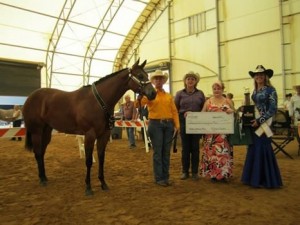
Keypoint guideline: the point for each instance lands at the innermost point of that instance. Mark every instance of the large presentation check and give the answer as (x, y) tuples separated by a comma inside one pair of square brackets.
[(209, 123)]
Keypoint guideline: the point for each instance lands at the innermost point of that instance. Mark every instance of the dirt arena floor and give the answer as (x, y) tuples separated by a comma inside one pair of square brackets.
[(133, 198)]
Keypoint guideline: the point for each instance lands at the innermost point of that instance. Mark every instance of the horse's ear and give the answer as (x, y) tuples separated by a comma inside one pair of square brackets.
[(136, 63), (143, 64)]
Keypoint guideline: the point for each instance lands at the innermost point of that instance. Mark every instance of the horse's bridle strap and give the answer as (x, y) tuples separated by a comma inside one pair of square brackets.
[(139, 82)]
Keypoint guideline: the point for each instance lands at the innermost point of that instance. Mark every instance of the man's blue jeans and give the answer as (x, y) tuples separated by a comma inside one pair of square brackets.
[(130, 135), (161, 134)]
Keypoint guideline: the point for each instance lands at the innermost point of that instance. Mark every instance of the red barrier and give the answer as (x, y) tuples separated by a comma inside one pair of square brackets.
[(126, 123), (12, 132)]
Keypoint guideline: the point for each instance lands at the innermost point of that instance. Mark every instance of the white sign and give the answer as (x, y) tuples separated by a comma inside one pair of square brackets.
[(209, 123)]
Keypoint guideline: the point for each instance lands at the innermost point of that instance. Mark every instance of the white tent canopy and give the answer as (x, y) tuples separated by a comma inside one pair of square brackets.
[(72, 37)]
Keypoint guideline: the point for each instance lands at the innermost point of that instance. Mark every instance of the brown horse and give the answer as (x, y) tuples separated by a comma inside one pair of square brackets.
[(87, 111)]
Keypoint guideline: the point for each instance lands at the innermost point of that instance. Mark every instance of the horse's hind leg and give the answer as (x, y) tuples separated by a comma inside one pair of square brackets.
[(39, 157), (41, 167), (40, 142)]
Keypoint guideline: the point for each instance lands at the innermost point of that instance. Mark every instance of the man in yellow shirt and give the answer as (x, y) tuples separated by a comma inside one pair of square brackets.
[(163, 124)]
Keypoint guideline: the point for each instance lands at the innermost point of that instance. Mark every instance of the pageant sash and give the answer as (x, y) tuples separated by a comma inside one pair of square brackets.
[(265, 128)]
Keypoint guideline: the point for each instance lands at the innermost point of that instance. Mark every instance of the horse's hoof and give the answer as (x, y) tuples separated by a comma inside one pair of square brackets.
[(104, 187), (43, 183), (89, 192)]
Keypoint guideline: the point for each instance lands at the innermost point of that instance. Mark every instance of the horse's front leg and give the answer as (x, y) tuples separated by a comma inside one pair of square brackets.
[(101, 146), (101, 158), (88, 163)]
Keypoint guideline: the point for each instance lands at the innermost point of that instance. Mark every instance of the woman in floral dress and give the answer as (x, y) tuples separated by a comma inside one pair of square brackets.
[(217, 157)]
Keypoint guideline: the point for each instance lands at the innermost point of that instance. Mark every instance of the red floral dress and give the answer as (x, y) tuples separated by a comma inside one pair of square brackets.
[(217, 156)]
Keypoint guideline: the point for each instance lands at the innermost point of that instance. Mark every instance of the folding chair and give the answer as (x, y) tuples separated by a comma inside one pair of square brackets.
[(283, 132), (297, 134)]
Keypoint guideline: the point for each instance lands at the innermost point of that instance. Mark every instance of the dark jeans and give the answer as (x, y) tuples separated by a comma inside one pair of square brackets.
[(17, 123), (161, 134), (190, 149), (130, 135)]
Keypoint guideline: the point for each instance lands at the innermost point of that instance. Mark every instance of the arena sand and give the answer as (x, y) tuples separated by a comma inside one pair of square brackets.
[(133, 197)]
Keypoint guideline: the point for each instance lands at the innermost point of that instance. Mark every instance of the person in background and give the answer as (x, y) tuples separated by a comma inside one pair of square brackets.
[(142, 112), (295, 105), (17, 119), (189, 99), (287, 104), (129, 113), (260, 167), (217, 158), (163, 125), (229, 96)]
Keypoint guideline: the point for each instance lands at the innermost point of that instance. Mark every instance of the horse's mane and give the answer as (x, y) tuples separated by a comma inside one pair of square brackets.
[(106, 77)]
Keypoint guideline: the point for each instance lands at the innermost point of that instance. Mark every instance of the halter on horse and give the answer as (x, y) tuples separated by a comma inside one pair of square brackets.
[(87, 111)]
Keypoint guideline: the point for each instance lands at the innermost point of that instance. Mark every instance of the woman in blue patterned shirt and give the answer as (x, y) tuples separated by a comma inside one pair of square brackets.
[(261, 168)]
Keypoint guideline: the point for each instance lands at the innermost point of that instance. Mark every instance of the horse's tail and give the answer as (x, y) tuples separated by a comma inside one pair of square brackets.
[(28, 141)]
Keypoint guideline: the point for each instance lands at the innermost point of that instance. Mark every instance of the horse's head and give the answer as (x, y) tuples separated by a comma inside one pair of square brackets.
[(140, 81)]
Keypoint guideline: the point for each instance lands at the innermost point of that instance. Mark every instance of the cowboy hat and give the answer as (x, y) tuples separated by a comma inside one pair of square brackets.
[(219, 83), (288, 95), (159, 73), (261, 69), (192, 74)]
